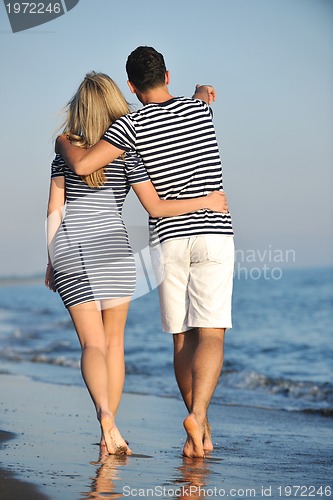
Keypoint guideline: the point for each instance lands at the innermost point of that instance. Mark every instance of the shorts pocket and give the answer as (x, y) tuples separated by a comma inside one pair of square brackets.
[(220, 248), (175, 251)]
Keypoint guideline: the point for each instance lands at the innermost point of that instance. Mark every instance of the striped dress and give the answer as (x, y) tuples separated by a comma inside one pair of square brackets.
[(177, 143), (92, 258)]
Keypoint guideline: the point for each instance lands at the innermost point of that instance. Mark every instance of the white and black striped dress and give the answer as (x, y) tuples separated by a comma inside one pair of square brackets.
[(92, 257)]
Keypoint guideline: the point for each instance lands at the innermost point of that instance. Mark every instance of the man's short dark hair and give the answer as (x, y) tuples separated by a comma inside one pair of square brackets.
[(146, 68)]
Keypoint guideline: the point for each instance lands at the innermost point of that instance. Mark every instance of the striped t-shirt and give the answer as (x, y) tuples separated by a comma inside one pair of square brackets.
[(177, 143)]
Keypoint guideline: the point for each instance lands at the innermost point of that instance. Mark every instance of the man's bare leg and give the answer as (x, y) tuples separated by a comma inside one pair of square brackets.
[(206, 368), (185, 345)]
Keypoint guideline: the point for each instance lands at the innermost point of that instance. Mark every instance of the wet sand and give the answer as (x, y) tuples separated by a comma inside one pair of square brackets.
[(49, 449)]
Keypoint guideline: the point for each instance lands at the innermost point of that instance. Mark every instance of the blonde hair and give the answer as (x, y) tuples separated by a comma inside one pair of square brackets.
[(97, 103)]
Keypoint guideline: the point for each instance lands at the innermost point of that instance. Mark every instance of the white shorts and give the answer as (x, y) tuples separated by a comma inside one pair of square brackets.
[(196, 278)]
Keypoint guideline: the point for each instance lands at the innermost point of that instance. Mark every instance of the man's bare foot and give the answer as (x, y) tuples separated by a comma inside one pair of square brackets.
[(207, 438), (193, 447), (111, 437), (102, 442)]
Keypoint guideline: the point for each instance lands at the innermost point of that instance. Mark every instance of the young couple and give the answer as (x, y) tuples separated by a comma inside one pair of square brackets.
[(167, 152)]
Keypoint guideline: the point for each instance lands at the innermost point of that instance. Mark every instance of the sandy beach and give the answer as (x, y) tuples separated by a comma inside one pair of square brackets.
[(49, 449)]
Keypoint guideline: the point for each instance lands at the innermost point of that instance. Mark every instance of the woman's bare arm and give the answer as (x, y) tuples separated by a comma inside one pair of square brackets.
[(145, 191), (54, 215)]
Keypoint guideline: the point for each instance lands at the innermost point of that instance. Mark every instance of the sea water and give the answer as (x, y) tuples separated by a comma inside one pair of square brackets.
[(277, 355)]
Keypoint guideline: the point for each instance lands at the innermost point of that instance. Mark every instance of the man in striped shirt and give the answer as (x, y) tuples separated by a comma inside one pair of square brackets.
[(175, 137)]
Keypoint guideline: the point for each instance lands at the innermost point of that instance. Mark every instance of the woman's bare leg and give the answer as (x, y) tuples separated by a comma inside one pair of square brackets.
[(87, 319), (114, 315), (114, 321)]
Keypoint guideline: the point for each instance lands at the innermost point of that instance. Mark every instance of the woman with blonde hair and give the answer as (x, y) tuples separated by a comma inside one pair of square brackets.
[(91, 264)]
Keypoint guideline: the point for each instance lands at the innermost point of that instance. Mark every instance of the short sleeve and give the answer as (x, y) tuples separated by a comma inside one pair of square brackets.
[(121, 134), (206, 108), (57, 167), (135, 169)]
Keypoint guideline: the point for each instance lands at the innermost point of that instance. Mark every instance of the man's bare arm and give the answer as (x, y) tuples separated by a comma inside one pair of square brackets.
[(205, 93), (85, 161)]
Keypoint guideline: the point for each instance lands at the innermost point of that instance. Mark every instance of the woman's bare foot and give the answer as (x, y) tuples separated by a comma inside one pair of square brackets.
[(111, 437), (207, 438), (193, 447)]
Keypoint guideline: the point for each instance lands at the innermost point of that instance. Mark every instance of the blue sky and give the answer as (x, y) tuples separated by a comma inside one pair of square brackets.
[(271, 62)]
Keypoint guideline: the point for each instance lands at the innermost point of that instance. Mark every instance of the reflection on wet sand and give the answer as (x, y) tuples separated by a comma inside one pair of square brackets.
[(191, 478), (107, 474)]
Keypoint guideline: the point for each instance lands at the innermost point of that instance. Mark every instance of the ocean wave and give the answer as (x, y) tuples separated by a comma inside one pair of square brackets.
[(324, 412), (287, 388), (10, 355), (287, 393), (58, 361)]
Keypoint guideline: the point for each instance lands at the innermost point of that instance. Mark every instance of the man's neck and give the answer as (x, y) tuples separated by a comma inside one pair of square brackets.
[(156, 95)]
